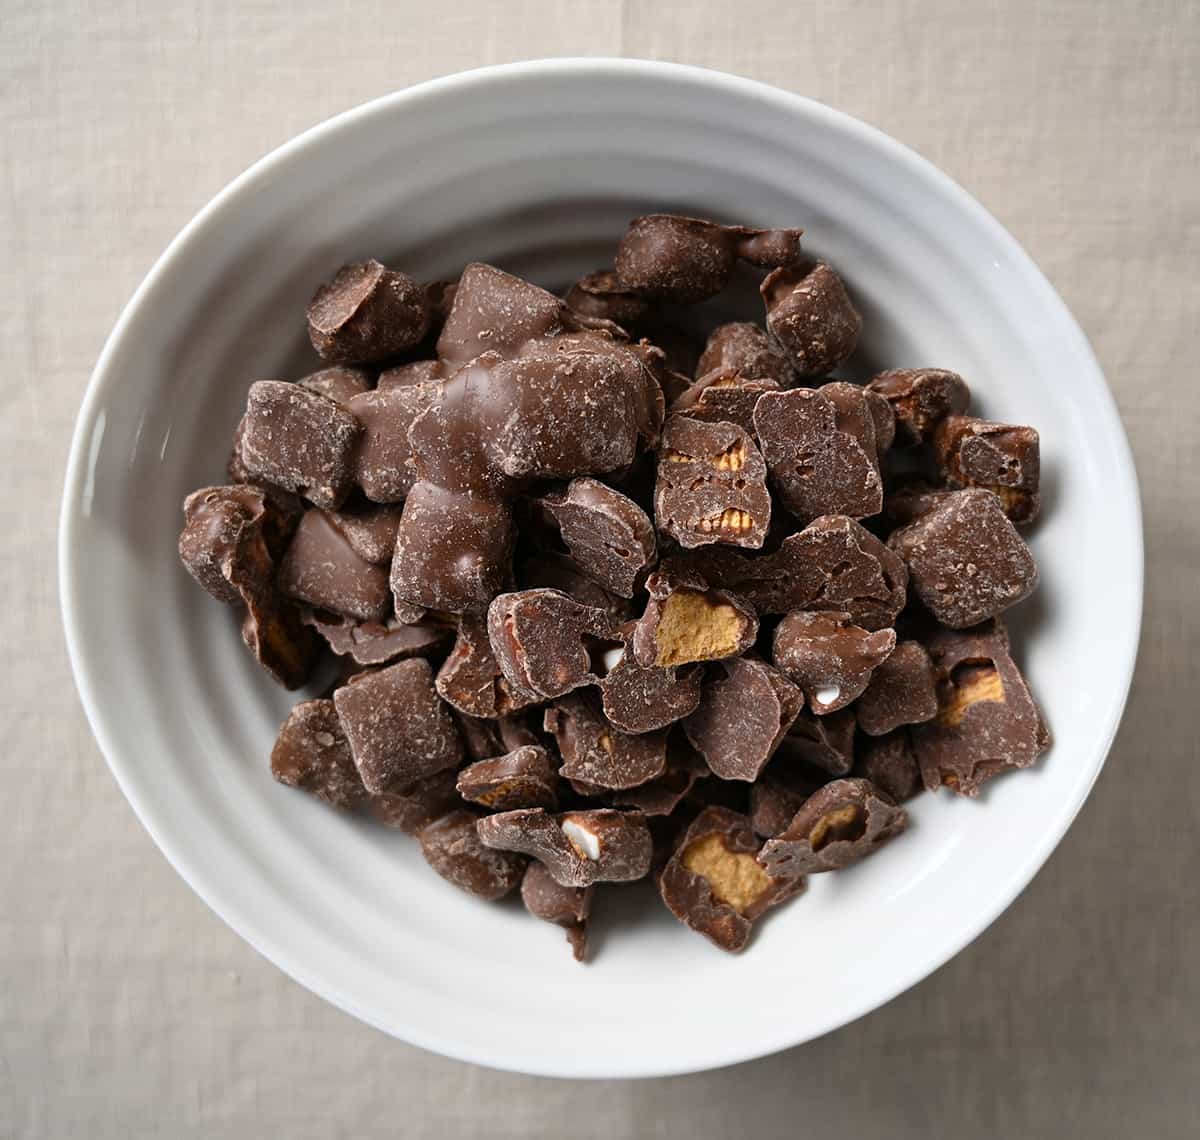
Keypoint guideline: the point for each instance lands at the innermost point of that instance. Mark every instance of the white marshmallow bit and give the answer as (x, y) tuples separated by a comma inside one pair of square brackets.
[(586, 844)]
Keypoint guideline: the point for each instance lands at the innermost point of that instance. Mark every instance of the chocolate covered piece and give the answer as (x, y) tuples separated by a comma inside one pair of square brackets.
[(713, 883), (745, 349), (300, 441), (600, 295), (890, 763), (776, 797), (673, 258), (398, 729), (830, 658), (909, 498), (321, 568), (452, 848), (376, 643), (722, 396), (413, 806), (857, 412), (519, 779), (641, 698), (987, 720), (230, 540), (901, 691), (567, 907), (833, 564), (278, 640), (817, 467), (966, 561), (822, 742), (312, 753), (921, 398), (596, 752), (549, 569), (542, 641), (685, 622), (369, 529), (340, 383), (811, 316), (383, 461), (1002, 458), (470, 679), (837, 826), (662, 795), (578, 848), (367, 312), (745, 710), (711, 485), (608, 534)]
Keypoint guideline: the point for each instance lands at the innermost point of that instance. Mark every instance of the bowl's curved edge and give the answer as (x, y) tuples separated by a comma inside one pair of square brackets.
[(76, 475)]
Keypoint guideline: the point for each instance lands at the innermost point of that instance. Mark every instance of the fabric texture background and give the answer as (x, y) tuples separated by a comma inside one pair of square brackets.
[(127, 1009)]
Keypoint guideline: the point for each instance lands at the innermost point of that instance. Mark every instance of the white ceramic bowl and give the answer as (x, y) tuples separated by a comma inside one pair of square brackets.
[(537, 167)]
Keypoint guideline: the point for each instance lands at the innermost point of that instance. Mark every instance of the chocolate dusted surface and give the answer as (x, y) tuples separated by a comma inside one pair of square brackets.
[(831, 659), (452, 848)]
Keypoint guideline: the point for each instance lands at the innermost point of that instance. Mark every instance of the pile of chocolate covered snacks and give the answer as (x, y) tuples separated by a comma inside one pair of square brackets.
[(610, 606)]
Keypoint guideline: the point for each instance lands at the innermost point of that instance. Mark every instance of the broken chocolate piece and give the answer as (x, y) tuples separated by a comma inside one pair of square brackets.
[(891, 765), (966, 561), (312, 753), (398, 729), (367, 312), (662, 795), (722, 396), (910, 498), (578, 848), (339, 383), (828, 657), (600, 295), (711, 485), (383, 460), (641, 698), (837, 826), (824, 742), (817, 468), (372, 643), (900, 692), (552, 902), (413, 806), (519, 779), (745, 710), (777, 795), (542, 641), (279, 642), (987, 720), (369, 529), (452, 848), (714, 884), (300, 441), (597, 753), (920, 399), (415, 373), (744, 348), (561, 572), (608, 534), (810, 314), (1002, 458), (470, 678), (685, 622), (321, 568)]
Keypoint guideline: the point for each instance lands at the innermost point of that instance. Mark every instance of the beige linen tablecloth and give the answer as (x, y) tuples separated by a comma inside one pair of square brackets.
[(127, 1009)]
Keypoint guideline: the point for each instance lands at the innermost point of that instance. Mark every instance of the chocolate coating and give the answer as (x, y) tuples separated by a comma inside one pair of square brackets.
[(828, 657), (685, 622), (277, 639), (470, 679), (596, 752), (811, 316), (966, 561), (744, 348), (713, 884), (398, 729), (641, 698), (452, 848), (340, 383), (384, 465), (776, 797), (711, 485), (518, 779), (312, 753), (373, 643), (367, 312), (1002, 458), (920, 399), (891, 765), (723, 396), (369, 529), (836, 827), (901, 691)]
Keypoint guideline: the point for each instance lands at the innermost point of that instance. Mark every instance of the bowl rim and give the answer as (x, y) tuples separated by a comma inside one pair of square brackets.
[(103, 378)]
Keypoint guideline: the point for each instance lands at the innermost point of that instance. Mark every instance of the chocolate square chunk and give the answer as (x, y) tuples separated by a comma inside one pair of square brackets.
[(816, 467), (1002, 458), (966, 561), (398, 729), (452, 848), (300, 441), (578, 848), (367, 312), (920, 399), (901, 691), (312, 753), (987, 719), (837, 826), (746, 708), (384, 465), (713, 884), (567, 907), (521, 778), (608, 534), (369, 529), (711, 485), (810, 314), (321, 568)]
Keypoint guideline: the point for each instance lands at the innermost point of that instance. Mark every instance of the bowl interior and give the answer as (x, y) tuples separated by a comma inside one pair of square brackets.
[(537, 168)]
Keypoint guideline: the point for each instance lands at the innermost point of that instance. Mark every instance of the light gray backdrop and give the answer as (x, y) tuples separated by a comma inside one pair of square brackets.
[(128, 1010)]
